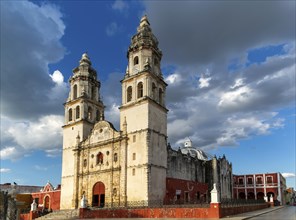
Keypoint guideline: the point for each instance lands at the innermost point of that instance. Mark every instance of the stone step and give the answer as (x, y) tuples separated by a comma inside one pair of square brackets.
[(61, 214)]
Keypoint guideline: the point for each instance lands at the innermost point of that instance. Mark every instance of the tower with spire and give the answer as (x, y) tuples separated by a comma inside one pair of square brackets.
[(83, 109), (143, 107)]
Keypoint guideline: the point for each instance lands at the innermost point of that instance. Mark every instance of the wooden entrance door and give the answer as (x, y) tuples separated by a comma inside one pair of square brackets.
[(46, 203), (98, 199)]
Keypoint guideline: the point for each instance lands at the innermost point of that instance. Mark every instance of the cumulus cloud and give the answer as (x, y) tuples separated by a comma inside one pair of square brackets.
[(5, 170), (27, 47), (173, 78), (11, 152), (120, 5), (112, 29), (57, 77), (54, 152), (22, 137), (59, 91), (211, 103), (212, 32), (204, 82), (288, 175), (238, 82), (30, 116), (47, 132), (37, 167)]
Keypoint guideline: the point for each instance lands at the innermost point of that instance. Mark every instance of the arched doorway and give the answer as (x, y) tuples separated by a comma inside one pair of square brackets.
[(98, 198), (269, 194), (46, 203), (251, 195), (260, 195), (242, 195)]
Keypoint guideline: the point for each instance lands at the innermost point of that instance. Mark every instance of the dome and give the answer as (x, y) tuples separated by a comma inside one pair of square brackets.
[(194, 152)]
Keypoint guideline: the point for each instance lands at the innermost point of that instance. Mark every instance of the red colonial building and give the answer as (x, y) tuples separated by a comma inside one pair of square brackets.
[(48, 198), (268, 186), (185, 191)]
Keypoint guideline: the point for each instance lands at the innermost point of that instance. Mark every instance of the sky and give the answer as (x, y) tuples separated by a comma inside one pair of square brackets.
[(229, 65)]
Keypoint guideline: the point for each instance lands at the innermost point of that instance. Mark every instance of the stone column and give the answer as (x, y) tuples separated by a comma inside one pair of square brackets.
[(279, 197), (76, 177), (123, 160)]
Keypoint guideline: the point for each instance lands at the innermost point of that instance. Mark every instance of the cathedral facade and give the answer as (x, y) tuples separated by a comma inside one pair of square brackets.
[(135, 163)]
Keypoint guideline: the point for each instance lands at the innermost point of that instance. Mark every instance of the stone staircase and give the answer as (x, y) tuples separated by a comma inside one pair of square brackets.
[(61, 214)]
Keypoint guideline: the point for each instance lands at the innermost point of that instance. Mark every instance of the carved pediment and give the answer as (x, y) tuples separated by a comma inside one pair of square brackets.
[(102, 131)]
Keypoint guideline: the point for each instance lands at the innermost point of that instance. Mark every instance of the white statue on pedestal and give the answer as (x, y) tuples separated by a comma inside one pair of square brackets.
[(271, 198), (34, 206), (83, 202), (215, 195)]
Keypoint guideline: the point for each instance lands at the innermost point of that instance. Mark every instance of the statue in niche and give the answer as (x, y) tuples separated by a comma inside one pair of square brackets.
[(126, 71), (83, 92), (147, 64)]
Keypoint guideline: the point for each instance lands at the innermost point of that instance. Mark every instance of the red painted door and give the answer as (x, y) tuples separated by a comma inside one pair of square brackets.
[(98, 195), (46, 202)]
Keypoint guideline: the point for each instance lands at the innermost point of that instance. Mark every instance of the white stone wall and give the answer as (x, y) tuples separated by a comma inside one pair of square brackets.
[(142, 55), (70, 133)]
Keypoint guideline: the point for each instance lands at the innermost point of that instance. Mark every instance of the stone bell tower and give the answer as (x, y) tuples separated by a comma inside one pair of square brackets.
[(83, 109), (143, 107)]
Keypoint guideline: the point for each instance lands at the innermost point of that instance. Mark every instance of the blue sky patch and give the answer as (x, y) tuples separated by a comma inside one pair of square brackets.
[(259, 55)]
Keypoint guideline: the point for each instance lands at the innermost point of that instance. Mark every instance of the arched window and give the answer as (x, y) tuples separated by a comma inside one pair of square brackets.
[(70, 114), (89, 113), (100, 158), (97, 115), (140, 89), (75, 92), (153, 91), (160, 94), (77, 112), (269, 179), (156, 66), (136, 60), (93, 92), (115, 157), (129, 94)]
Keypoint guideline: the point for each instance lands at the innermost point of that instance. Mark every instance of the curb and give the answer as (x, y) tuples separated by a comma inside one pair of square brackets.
[(267, 211)]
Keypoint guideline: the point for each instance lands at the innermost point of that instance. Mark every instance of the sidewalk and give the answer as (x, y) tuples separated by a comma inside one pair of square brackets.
[(248, 215)]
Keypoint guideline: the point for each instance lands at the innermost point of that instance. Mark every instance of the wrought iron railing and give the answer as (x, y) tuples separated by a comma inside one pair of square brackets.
[(24, 211), (240, 202)]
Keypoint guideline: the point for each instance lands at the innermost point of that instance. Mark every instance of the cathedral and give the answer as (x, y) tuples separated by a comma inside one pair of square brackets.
[(118, 168)]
